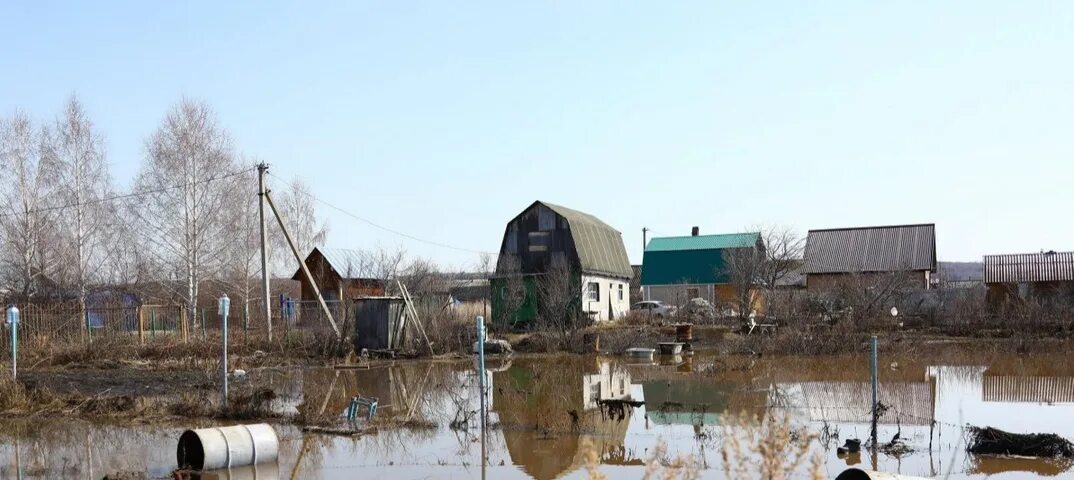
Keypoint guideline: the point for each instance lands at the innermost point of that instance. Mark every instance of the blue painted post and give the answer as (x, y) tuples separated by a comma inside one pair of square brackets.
[(13, 322), (223, 307), (481, 365), (872, 367)]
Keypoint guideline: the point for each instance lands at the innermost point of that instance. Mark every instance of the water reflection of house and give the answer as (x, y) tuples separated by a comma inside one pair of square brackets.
[(686, 401), (996, 388), (610, 383), (547, 412), (908, 403)]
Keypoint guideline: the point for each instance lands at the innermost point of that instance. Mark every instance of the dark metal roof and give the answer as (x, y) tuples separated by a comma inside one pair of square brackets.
[(1029, 267), (895, 248)]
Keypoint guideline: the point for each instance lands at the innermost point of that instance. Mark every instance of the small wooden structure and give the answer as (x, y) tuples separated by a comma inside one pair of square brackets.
[(379, 322), (338, 273)]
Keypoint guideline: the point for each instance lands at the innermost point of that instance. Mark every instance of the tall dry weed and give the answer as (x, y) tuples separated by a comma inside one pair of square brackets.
[(770, 449)]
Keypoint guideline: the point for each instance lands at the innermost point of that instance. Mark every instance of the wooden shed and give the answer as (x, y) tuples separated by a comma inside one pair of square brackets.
[(339, 275)]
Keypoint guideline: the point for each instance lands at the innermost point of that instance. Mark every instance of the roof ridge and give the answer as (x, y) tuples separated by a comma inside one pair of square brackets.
[(709, 235), (1049, 253), (873, 227)]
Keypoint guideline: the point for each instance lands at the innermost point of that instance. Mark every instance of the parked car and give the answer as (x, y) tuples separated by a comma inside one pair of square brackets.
[(654, 308)]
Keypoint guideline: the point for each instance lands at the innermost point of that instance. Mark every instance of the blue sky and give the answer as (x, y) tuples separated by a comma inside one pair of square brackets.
[(445, 119)]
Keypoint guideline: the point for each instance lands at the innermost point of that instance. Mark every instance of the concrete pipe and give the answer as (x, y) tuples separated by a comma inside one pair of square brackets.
[(859, 474), (227, 447)]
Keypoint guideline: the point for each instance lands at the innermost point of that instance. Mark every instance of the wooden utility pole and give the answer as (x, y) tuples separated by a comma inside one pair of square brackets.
[(262, 169), (302, 264)]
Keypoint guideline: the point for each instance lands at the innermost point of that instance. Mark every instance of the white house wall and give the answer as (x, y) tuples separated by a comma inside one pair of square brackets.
[(610, 302)]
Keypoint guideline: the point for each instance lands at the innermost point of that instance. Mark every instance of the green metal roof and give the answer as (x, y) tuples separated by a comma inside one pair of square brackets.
[(600, 247), (692, 260), (703, 242)]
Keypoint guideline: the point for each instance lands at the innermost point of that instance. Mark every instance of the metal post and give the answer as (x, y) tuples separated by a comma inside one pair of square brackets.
[(89, 329), (872, 367), (224, 306), (262, 168), (13, 322), (481, 383), (481, 365)]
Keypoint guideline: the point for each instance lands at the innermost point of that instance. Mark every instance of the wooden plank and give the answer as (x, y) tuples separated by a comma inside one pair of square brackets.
[(141, 326), (183, 325), (417, 321)]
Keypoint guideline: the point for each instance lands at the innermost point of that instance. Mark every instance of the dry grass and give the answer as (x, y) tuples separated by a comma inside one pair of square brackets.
[(771, 449)]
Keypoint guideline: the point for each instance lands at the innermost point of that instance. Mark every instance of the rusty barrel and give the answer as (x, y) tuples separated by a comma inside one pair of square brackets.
[(684, 332)]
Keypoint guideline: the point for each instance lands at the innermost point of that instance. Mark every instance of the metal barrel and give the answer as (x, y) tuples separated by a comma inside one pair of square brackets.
[(227, 447)]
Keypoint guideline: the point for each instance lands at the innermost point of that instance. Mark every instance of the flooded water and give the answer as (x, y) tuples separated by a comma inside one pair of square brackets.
[(545, 421)]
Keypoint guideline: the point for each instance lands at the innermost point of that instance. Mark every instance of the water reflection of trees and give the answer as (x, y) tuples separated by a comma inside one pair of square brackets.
[(79, 449)]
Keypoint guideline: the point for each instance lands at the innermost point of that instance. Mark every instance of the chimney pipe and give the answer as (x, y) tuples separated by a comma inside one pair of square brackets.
[(694, 231)]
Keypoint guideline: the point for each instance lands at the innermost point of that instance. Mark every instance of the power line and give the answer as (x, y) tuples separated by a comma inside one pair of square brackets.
[(387, 229), (139, 193)]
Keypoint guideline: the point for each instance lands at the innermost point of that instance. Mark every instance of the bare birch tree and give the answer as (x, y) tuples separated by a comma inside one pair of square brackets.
[(24, 213), (79, 178), (297, 207), (190, 163)]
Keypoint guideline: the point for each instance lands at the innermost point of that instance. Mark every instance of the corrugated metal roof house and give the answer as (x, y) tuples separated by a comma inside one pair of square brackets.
[(906, 249), (678, 269), (544, 234), (1045, 275)]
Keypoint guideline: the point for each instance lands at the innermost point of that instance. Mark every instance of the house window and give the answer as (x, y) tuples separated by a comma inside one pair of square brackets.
[(540, 241), (620, 291), (593, 292), (692, 293)]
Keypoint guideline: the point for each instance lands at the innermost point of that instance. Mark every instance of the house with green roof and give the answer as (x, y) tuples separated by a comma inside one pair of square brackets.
[(546, 241), (678, 269)]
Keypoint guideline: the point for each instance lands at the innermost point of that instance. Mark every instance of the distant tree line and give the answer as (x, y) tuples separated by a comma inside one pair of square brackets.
[(189, 218)]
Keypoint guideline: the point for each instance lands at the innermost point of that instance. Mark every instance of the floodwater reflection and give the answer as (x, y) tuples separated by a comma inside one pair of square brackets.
[(544, 411)]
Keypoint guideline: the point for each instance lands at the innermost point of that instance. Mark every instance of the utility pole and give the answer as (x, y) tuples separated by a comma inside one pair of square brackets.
[(305, 269), (644, 238), (262, 169)]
